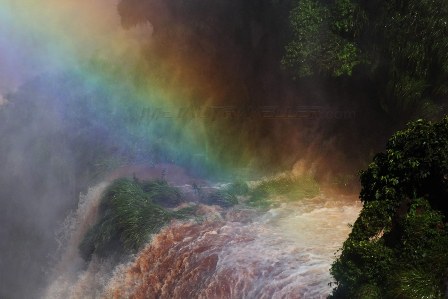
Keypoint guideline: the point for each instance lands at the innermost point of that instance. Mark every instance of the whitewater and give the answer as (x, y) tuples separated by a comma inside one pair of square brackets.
[(240, 252)]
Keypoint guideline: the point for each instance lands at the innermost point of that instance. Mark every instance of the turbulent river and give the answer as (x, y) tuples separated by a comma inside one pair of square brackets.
[(240, 252)]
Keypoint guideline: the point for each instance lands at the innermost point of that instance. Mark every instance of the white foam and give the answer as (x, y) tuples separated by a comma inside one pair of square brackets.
[(284, 253)]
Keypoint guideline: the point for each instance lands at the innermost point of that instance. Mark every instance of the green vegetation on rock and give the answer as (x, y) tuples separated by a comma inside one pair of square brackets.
[(161, 193), (239, 188), (128, 215), (226, 197), (221, 198), (288, 187)]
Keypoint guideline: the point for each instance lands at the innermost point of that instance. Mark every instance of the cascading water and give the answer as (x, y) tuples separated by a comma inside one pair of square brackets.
[(239, 252), (116, 102)]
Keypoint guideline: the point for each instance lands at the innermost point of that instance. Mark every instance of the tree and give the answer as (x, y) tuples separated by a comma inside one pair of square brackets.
[(401, 46), (315, 48), (397, 247)]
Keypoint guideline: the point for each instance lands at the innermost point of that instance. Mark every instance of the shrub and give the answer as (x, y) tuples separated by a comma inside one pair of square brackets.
[(369, 291), (289, 187), (356, 39), (259, 198), (414, 284), (128, 216), (221, 198), (238, 188), (161, 193), (294, 188), (402, 227), (414, 165)]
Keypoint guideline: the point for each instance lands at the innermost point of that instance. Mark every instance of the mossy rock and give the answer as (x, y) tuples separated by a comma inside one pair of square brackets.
[(238, 188), (162, 193), (128, 215), (221, 198)]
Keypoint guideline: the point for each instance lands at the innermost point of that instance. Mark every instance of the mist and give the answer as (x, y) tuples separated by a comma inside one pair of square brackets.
[(75, 77)]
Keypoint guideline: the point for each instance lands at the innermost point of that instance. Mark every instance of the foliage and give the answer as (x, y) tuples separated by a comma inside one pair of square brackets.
[(375, 218), (398, 243), (227, 197), (314, 48), (414, 284), (289, 187), (368, 291), (361, 262), (415, 164), (401, 46), (238, 188), (418, 255), (161, 193), (127, 217), (221, 198), (260, 198)]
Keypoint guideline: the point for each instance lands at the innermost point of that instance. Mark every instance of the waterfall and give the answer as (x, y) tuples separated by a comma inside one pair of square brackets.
[(285, 252)]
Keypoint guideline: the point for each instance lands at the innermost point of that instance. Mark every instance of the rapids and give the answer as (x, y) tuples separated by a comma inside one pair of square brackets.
[(285, 252)]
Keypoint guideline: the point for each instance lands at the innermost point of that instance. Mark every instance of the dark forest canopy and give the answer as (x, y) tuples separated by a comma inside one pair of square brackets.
[(396, 49), (400, 47)]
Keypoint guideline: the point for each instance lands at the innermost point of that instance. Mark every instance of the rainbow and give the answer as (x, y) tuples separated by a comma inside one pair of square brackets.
[(143, 98)]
